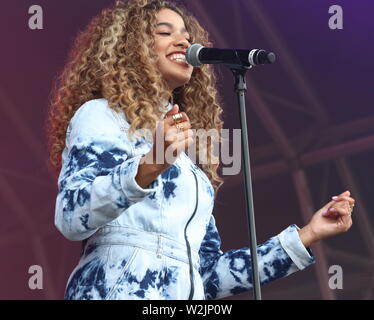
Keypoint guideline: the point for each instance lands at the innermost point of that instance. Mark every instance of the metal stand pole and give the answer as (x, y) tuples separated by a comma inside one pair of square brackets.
[(240, 89)]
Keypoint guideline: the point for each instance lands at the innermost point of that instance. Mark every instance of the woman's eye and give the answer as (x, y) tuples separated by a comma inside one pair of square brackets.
[(168, 34)]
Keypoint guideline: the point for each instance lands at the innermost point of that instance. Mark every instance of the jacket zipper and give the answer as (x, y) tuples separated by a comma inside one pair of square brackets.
[(192, 290)]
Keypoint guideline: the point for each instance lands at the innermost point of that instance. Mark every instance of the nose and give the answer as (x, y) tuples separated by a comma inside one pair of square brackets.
[(181, 41)]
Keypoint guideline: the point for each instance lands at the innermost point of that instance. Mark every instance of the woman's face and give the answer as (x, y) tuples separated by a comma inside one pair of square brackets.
[(171, 43)]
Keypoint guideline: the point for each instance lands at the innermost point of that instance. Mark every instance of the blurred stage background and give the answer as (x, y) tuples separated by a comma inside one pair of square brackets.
[(311, 131)]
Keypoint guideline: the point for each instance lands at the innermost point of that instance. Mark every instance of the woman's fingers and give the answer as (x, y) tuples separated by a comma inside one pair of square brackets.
[(343, 198), (341, 216), (174, 110), (335, 212), (171, 128), (345, 193), (175, 135), (170, 120), (179, 145), (339, 198), (178, 142)]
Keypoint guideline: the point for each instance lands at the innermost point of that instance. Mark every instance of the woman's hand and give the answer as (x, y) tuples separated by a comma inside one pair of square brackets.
[(332, 219), (169, 141)]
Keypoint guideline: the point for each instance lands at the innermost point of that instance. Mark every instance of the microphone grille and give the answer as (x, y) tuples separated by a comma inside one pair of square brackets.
[(192, 54)]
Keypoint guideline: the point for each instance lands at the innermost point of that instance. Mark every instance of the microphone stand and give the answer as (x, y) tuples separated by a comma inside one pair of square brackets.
[(239, 72)]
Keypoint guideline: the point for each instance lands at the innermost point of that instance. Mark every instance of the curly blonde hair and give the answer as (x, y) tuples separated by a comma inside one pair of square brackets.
[(103, 64)]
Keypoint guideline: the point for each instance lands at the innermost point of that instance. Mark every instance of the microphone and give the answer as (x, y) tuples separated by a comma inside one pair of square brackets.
[(197, 55)]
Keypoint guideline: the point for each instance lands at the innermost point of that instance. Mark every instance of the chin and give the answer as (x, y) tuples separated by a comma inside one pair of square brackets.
[(174, 83)]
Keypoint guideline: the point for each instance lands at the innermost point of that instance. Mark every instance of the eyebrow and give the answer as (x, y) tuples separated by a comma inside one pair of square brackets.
[(170, 26)]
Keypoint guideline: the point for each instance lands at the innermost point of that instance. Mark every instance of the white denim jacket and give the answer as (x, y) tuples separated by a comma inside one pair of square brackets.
[(159, 242)]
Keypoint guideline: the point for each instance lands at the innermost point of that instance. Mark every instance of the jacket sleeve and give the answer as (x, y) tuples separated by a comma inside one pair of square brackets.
[(229, 273), (97, 178)]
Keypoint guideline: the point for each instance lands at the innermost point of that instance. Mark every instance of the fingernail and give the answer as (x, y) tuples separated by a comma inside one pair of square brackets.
[(335, 198), (332, 209), (325, 212)]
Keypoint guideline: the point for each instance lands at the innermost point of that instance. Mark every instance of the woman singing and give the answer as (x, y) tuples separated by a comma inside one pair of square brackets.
[(147, 226)]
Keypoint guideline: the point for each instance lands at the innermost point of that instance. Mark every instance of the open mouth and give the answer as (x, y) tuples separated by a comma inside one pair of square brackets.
[(178, 58)]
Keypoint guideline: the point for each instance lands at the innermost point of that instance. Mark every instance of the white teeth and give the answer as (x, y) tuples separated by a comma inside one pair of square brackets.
[(178, 57)]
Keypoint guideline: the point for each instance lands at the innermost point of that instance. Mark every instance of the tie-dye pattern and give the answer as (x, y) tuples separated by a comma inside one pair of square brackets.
[(133, 242), (229, 273)]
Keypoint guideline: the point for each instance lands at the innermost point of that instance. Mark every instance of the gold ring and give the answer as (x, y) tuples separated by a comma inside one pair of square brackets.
[(177, 117)]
